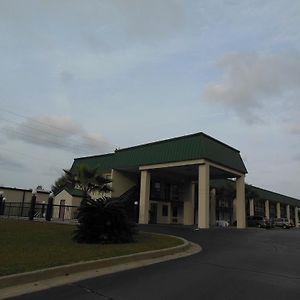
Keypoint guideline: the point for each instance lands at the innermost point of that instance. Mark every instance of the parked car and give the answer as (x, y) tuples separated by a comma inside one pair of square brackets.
[(258, 221), (282, 222)]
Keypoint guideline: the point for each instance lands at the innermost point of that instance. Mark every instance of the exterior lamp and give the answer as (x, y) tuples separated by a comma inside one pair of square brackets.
[(136, 211), (3, 204)]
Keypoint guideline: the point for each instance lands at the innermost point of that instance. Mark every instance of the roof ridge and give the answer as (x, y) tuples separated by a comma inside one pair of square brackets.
[(178, 138), (160, 141), (97, 155)]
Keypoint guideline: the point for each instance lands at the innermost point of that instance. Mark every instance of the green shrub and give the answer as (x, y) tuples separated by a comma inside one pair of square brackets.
[(103, 221)]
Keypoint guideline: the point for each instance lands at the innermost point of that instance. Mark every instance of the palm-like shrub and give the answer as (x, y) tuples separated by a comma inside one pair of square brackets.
[(103, 221), (88, 181)]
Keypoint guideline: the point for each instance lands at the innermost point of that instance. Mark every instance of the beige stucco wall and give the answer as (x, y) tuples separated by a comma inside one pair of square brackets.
[(42, 197), (63, 195), (16, 195), (68, 212), (121, 183), (76, 201)]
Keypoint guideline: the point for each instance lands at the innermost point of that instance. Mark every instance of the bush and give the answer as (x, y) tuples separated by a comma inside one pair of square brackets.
[(103, 221)]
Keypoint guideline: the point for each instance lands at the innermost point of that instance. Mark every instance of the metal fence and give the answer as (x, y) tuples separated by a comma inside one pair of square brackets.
[(21, 210)]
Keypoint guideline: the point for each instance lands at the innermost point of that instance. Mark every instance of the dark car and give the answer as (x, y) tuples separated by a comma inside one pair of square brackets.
[(258, 221), (282, 222)]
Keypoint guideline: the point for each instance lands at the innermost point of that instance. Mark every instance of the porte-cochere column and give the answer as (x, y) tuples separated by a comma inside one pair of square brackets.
[(296, 216), (251, 207), (203, 196), (267, 209), (240, 202), (144, 197), (278, 211), (288, 212)]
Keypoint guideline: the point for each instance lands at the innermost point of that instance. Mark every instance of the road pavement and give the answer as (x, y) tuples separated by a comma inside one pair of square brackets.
[(234, 264)]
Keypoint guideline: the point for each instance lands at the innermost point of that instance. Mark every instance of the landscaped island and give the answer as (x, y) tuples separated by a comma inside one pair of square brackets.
[(27, 246)]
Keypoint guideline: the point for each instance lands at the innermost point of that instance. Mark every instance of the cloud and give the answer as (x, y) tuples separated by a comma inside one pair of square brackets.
[(106, 66), (297, 157), (59, 132), (150, 20), (252, 83), (295, 129), (10, 164), (66, 77)]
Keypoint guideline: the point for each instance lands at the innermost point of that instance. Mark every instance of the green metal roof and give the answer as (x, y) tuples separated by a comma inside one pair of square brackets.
[(189, 147), (262, 193), (275, 197)]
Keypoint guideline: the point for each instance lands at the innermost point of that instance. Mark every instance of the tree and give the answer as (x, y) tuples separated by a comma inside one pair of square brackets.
[(60, 183), (87, 180), (102, 220)]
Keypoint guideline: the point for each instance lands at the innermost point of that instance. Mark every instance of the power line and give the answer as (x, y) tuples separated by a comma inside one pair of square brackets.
[(36, 121), (60, 145), (47, 162), (46, 138), (31, 127), (86, 145)]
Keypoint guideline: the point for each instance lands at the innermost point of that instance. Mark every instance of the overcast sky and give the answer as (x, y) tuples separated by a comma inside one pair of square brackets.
[(84, 77)]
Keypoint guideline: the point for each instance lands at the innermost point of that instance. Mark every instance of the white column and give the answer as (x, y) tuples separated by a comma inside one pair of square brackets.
[(203, 196), (288, 213), (188, 204), (233, 220), (251, 206), (144, 197), (240, 202), (296, 217), (278, 212), (212, 207), (267, 209)]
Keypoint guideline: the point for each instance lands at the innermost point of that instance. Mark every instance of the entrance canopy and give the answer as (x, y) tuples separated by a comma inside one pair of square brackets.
[(197, 157)]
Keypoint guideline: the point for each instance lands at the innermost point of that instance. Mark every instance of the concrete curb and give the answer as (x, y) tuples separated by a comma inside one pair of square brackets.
[(66, 270)]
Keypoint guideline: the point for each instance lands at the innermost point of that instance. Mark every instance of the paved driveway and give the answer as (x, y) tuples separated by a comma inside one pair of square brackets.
[(234, 264)]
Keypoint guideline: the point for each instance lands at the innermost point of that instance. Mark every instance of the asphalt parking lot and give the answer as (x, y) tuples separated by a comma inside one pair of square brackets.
[(234, 264)]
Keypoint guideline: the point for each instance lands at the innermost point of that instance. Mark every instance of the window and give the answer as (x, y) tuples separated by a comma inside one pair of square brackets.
[(155, 190), (174, 192), (165, 210), (157, 186), (174, 212)]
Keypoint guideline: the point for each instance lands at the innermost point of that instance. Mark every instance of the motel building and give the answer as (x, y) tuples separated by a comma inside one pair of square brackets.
[(176, 181)]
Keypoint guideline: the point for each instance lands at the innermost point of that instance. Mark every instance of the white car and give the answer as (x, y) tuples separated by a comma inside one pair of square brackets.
[(222, 223)]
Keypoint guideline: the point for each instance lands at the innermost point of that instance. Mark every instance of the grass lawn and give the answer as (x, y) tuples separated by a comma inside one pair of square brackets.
[(27, 246)]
